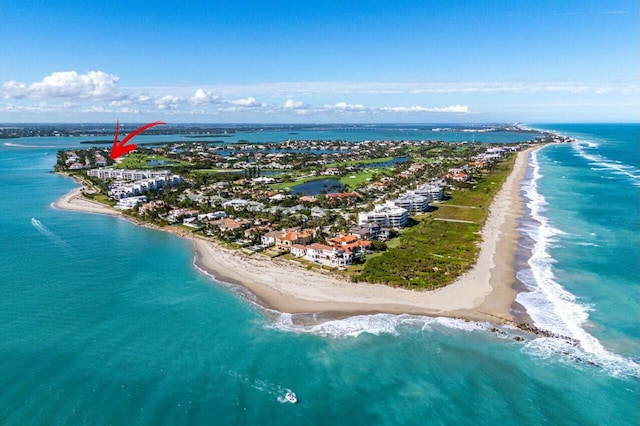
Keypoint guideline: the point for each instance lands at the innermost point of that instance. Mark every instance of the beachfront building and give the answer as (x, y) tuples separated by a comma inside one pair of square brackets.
[(350, 243), (176, 215), (298, 250), (431, 192), (387, 214), (323, 254), (285, 239), (269, 239), (139, 187), (212, 216), (412, 202), (126, 174), (130, 202), (227, 224)]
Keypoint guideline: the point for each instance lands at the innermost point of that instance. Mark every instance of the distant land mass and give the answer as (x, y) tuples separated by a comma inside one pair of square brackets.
[(20, 130)]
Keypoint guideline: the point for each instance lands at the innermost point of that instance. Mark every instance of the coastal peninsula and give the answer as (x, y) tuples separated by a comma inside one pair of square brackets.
[(289, 283)]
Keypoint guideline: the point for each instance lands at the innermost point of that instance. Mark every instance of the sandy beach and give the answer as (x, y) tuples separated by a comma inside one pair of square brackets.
[(485, 293), (74, 201)]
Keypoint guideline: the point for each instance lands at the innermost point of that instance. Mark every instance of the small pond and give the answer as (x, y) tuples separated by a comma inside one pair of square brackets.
[(313, 187)]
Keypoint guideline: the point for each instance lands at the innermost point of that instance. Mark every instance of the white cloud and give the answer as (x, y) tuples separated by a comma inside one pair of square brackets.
[(290, 90), (291, 104), (169, 101), (203, 97), (343, 106), (94, 85), (248, 102), (14, 89)]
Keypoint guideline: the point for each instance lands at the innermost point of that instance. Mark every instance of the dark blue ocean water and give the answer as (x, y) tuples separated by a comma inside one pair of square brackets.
[(104, 322)]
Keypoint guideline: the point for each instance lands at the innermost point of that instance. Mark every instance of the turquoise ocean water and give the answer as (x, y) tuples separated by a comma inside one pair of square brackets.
[(104, 322)]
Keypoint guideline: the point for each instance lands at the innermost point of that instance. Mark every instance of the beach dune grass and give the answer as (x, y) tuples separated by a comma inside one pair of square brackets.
[(433, 253)]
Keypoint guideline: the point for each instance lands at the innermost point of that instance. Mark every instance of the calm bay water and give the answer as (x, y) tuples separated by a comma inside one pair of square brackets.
[(103, 322)]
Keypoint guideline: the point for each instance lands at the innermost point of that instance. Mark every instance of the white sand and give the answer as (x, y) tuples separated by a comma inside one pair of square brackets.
[(76, 202)]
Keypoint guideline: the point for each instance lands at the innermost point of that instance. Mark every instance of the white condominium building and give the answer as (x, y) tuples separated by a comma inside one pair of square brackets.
[(126, 174), (387, 214), (431, 192), (412, 202)]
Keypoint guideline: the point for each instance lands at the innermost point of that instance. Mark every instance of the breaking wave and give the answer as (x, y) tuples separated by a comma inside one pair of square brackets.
[(375, 324), (549, 304), (600, 163)]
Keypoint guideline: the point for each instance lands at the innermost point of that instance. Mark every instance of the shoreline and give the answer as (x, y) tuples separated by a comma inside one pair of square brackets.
[(486, 293)]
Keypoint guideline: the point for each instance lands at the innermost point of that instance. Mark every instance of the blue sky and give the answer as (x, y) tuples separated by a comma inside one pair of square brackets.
[(320, 61)]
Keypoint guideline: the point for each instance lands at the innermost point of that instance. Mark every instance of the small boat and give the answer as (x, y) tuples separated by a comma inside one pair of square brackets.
[(291, 397)]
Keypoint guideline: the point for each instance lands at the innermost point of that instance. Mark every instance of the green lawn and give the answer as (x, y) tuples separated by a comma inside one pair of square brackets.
[(358, 179), (140, 161)]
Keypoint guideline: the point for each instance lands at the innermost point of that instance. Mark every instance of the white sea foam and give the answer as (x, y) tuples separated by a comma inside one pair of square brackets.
[(375, 324), (549, 304), (584, 149)]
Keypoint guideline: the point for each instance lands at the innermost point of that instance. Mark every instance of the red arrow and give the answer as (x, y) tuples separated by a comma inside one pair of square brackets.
[(120, 148)]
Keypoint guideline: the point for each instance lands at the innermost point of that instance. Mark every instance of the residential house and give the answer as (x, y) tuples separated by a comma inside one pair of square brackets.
[(286, 239), (227, 224), (328, 255)]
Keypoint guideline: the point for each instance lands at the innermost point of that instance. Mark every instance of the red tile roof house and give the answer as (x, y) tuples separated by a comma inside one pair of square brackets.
[(230, 224), (458, 177), (286, 239), (351, 243)]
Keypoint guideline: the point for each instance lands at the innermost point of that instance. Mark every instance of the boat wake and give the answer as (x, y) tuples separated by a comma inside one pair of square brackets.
[(275, 390), (17, 145), (47, 233), (549, 304)]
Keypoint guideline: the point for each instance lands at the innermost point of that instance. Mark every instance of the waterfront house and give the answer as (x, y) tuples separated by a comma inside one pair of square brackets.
[(227, 224), (328, 255), (286, 239), (298, 250), (269, 239), (130, 202)]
